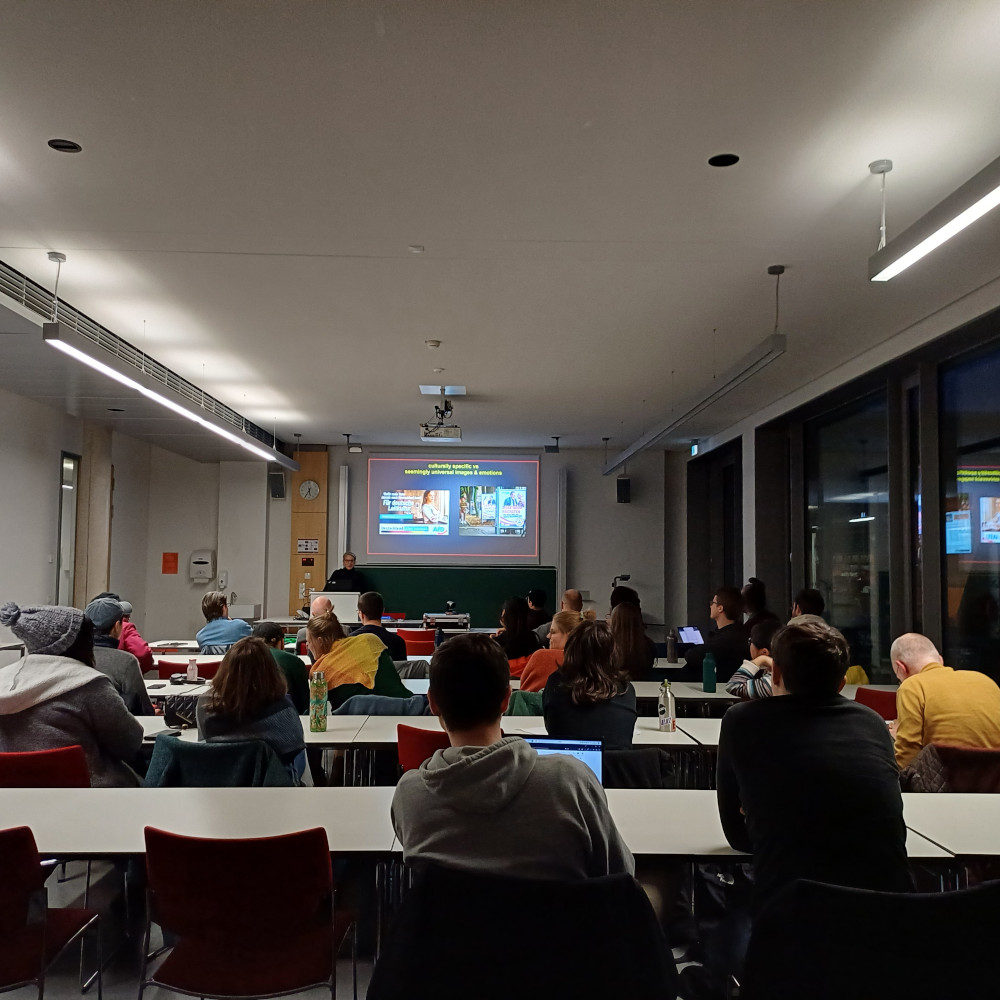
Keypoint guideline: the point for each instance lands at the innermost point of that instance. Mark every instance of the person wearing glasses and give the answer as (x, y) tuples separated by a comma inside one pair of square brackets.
[(728, 642)]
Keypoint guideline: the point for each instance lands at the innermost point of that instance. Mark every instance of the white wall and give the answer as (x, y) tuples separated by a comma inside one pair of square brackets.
[(129, 523), (33, 438), (603, 538), (183, 516), (243, 529), (278, 572), (675, 537)]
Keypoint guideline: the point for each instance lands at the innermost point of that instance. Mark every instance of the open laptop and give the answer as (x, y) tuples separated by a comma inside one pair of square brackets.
[(690, 635), (589, 751)]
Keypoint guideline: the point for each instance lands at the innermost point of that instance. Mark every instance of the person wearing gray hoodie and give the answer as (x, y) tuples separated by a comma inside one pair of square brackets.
[(54, 697), (489, 803)]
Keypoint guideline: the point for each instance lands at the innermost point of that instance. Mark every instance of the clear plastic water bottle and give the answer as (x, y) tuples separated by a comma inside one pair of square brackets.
[(667, 709), (708, 672), (192, 671), (317, 702)]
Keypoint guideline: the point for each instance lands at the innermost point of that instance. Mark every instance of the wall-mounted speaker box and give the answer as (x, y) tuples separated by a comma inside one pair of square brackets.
[(624, 485), (276, 485)]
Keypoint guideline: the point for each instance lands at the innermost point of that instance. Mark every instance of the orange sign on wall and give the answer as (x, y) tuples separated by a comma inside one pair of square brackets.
[(169, 562)]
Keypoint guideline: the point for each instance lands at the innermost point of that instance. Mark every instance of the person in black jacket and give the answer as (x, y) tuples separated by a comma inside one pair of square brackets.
[(729, 642), (590, 697)]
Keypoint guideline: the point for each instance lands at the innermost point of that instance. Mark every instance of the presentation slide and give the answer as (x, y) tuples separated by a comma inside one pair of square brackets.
[(972, 515), (438, 510)]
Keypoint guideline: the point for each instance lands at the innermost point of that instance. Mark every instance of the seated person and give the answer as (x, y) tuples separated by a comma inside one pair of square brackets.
[(371, 607), (572, 600), (347, 579), (624, 595), (753, 677), (130, 641), (589, 697), (295, 671), (249, 701), (544, 662), (755, 604), (634, 649), (221, 631), (54, 697), (319, 606), (728, 642), (357, 664), (516, 640), (489, 803), (537, 615), (808, 606), (935, 704), (122, 668)]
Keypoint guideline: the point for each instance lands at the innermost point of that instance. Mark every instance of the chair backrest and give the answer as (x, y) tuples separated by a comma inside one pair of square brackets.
[(396, 616), (239, 892), (414, 745), (242, 764), (939, 768), (883, 702), (21, 875), (915, 945), (419, 634), (601, 940), (64, 767), (167, 668)]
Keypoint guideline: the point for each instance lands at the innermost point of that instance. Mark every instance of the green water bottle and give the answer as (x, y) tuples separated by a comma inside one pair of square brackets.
[(317, 702), (708, 673)]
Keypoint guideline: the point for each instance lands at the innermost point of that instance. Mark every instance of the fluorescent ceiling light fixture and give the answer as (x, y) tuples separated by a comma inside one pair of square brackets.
[(57, 336), (760, 357), (448, 390), (960, 209), (858, 520)]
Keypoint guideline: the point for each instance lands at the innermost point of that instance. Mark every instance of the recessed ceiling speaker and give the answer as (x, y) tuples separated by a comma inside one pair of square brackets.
[(276, 485), (624, 485)]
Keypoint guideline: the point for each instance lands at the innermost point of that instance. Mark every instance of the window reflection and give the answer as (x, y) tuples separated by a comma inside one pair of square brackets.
[(970, 481), (848, 524)]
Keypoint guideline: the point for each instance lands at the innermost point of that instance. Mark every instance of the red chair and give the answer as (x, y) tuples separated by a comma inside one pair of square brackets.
[(419, 641), (167, 668), (396, 616), (415, 745), (883, 702), (250, 918), (31, 935), (65, 767)]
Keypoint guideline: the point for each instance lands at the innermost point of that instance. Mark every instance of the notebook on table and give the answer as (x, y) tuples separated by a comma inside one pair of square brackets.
[(589, 751)]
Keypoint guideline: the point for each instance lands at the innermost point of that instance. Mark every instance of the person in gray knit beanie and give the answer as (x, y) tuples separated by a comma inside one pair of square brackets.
[(43, 628)]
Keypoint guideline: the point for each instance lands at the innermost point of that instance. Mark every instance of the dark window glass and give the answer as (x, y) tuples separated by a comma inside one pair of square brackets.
[(847, 524), (970, 494)]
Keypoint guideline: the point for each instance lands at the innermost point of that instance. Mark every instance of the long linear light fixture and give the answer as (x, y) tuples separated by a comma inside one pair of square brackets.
[(61, 337), (760, 357), (961, 208)]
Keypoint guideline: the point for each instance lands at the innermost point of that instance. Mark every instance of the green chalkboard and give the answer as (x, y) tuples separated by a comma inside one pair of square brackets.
[(478, 590)]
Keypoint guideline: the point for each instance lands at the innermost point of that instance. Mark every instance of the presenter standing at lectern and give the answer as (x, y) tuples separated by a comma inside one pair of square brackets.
[(348, 579)]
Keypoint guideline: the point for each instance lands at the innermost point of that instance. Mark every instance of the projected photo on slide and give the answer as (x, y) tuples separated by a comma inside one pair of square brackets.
[(413, 512), (428, 509), (989, 519), (493, 510)]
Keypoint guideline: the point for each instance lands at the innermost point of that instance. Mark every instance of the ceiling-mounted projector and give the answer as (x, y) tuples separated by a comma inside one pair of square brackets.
[(440, 432)]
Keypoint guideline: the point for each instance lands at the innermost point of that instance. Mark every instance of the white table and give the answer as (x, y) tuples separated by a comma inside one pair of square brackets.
[(686, 823), (967, 825), (691, 691), (179, 646), (341, 730), (164, 689), (419, 685), (103, 821), (182, 659), (703, 731)]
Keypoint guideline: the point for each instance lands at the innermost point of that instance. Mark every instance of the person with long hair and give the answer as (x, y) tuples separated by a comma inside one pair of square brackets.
[(634, 650), (590, 696), (356, 664), (544, 662), (515, 636), (55, 697), (249, 701)]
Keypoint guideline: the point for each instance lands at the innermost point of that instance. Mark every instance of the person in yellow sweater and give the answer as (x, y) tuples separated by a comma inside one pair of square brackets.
[(935, 704)]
